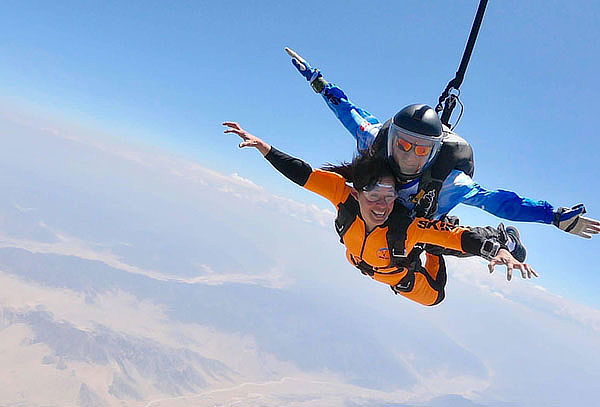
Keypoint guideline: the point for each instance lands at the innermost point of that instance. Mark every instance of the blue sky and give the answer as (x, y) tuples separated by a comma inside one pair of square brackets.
[(168, 73)]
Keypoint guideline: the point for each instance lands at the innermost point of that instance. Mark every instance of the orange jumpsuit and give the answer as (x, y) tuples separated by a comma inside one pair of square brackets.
[(371, 248)]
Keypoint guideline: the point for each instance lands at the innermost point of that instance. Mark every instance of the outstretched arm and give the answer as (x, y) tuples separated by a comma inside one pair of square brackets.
[(327, 184), (477, 241), (460, 188), (361, 124)]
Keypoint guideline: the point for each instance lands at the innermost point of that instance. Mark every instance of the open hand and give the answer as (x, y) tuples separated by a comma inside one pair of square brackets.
[(504, 257), (571, 220), (249, 140)]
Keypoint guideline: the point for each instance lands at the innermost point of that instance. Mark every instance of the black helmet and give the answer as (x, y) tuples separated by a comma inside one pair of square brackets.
[(414, 139)]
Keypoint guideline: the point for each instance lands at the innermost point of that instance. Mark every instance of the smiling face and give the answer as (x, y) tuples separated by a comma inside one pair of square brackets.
[(377, 204)]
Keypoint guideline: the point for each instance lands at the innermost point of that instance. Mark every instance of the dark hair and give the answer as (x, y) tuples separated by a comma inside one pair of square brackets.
[(364, 170)]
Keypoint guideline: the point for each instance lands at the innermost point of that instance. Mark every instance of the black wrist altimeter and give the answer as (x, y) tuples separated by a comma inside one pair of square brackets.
[(490, 248)]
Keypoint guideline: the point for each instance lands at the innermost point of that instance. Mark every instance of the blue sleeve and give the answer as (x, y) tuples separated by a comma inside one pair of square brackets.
[(460, 188), (361, 124)]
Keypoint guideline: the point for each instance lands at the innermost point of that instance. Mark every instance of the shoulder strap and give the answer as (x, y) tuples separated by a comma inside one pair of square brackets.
[(426, 199), (347, 213), (398, 223), (456, 153), (379, 145)]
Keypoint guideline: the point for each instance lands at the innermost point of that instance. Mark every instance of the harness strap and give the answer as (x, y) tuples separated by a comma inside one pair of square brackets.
[(426, 199), (413, 265), (365, 268), (347, 212), (437, 284), (398, 222)]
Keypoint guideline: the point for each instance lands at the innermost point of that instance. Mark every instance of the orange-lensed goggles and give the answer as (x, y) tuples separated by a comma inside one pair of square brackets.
[(420, 150)]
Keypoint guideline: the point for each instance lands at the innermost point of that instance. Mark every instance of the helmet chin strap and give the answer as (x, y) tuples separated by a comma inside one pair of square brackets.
[(405, 179)]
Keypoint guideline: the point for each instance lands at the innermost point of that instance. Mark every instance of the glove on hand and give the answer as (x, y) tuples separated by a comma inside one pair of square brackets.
[(571, 220), (312, 75)]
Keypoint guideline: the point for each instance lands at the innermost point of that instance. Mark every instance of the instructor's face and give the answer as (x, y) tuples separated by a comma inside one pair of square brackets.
[(376, 205), (411, 153)]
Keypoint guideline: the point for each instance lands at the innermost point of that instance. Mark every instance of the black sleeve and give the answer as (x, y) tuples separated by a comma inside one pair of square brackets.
[(293, 168), (482, 241)]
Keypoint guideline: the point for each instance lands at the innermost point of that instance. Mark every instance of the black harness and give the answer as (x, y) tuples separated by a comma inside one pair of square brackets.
[(397, 224), (455, 154)]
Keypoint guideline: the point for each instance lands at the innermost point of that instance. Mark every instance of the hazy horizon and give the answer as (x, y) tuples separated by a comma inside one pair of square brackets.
[(123, 283)]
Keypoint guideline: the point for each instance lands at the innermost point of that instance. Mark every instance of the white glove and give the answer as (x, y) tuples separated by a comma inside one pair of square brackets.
[(312, 75), (571, 220)]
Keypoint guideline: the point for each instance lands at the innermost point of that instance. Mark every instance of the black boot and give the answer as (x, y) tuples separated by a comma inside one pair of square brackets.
[(519, 252), (508, 235)]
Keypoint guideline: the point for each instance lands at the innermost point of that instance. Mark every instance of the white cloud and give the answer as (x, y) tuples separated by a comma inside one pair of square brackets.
[(71, 246), (21, 208), (485, 316), (524, 292), (245, 182)]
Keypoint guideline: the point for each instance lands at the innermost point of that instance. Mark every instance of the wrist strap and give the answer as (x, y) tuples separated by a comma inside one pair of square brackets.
[(489, 249)]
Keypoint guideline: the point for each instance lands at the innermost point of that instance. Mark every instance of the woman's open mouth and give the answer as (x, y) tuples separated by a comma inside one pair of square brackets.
[(378, 215)]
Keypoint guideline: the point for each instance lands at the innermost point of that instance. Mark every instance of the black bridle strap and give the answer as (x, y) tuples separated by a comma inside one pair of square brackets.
[(460, 74)]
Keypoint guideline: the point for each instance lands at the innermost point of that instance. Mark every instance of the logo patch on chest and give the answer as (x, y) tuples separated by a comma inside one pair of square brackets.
[(383, 253)]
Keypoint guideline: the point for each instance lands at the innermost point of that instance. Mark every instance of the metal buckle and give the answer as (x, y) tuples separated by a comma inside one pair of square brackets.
[(397, 255)]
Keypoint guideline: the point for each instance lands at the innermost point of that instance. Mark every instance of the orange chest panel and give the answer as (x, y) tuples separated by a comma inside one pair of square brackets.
[(372, 247)]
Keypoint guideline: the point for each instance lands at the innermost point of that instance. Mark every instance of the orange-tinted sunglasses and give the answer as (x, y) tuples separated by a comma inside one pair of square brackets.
[(420, 150)]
